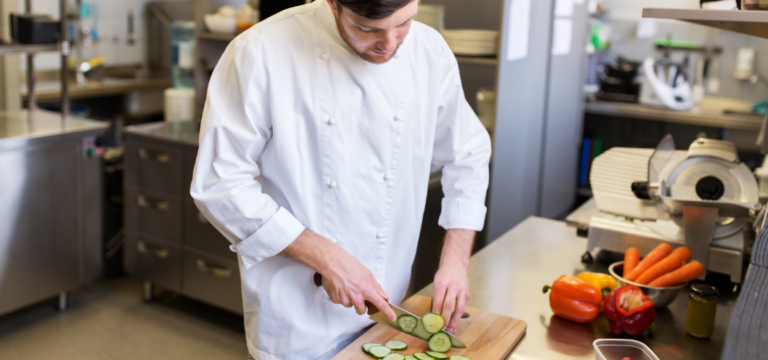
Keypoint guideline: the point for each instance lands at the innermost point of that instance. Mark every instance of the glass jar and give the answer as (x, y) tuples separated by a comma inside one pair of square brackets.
[(183, 54), (702, 306), (755, 5)]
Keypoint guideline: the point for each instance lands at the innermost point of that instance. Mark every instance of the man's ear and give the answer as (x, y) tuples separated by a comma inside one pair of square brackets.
[(332, 3)]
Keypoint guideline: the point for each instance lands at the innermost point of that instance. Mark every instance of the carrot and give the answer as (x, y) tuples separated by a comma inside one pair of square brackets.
[(682, 275), (660, 252), (631, 257), (669, 263)]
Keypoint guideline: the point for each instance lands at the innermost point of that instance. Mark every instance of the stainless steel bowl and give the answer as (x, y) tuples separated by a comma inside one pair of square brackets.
[(661, 296)]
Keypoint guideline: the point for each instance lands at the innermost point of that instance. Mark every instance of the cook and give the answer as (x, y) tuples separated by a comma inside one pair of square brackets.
[(318, 135)]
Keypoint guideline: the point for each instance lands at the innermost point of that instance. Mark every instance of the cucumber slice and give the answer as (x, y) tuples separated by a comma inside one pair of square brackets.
[(368, 346), (395, 357), (459, 357), (422, 356), (407, 323), (396, 345), (379, 351), (437, 355), (440, 342), (433, 323), (410, 357)]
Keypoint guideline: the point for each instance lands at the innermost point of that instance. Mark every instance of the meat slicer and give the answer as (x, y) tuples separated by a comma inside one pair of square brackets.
[(703, 198)]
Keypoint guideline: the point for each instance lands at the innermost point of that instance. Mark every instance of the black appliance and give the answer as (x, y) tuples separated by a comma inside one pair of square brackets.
[(619, 81), (34, 29)]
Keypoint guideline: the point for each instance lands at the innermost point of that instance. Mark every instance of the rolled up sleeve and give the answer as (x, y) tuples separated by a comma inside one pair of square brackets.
[(235, 128), (463, 148)]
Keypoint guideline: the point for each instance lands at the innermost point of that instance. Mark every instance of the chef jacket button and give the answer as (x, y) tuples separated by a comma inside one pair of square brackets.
[(332, 184), (387, 177), (380, 235), (331, 121), (324, 56), (398, 118)]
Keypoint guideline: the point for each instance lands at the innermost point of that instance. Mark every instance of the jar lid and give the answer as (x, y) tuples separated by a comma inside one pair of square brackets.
[(704, 290)]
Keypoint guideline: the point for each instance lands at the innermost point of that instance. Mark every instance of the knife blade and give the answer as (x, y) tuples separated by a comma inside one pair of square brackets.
[(419, 332)]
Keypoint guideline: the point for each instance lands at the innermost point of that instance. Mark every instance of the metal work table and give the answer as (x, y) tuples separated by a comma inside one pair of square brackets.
[(507, 276), (22, 127), (695, 116), (51, 90)]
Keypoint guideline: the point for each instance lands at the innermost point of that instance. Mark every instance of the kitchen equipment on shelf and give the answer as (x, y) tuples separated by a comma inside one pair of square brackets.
[(179, 104), (183, 54), (661, 297), (432, 15), (666, 85), (619, 80), (616, 349), (472, 42), (488, 336), (703, 198), (34, 29), (217, 23)]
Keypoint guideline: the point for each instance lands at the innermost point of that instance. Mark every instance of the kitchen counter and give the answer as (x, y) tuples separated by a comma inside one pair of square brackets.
[(507, 276), (706, 115), (51, 90), (22, 127)]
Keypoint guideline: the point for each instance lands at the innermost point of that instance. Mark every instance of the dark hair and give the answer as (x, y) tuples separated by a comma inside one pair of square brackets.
[(372, 9)]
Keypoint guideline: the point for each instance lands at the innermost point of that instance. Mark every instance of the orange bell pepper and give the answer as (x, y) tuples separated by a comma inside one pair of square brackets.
[(574, 299)]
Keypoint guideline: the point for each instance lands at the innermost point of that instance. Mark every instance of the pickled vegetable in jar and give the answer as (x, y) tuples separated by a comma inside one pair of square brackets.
[(702, 306)]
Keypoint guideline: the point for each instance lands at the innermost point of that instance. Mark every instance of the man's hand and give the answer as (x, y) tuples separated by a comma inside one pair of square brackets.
[(451, 288), (346, 280)]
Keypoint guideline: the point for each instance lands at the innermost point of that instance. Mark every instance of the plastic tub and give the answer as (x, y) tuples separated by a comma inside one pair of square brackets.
[(617, 349)]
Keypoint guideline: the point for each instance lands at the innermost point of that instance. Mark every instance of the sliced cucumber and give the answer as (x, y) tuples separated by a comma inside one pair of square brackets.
[(440, 342), (410, 357), (396, 345), (459, 357), (407, 323), (437, 355), (433, 323), (395, 357), (379, 351), (368, 346), (422, 356)]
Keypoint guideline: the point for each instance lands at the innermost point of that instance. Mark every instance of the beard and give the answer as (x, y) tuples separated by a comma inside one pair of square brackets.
[(364, 54)]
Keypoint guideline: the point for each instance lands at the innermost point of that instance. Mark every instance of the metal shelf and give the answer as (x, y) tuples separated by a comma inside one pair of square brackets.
[(483, 60), (215, 36), (753, 23), (8, 49)]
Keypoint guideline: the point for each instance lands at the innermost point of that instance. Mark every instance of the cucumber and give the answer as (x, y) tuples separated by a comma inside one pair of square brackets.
[(422, 356), (395, 357), (459, 357), (440, 342), (407, 323), (368, 346), (410, 357), (437, 355), (396, 345), (433, 323), (379, 351)]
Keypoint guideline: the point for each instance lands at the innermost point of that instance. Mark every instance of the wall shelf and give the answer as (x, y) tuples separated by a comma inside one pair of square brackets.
[(483, 60), (753, 23)]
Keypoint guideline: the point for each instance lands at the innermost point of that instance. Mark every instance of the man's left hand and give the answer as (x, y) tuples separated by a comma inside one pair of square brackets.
[(451, 288)]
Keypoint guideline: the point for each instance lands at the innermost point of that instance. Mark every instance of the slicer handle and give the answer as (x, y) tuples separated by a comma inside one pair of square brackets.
[(372, 309)]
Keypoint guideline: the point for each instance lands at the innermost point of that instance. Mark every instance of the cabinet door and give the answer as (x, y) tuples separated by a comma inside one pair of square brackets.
[(213, 280), (201, 235), (153, 166), (153, 213), (153, 261)]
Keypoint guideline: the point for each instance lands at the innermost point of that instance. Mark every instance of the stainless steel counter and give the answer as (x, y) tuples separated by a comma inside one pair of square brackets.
[(182, 132), (51, 90), (507, 276), (22, 127)]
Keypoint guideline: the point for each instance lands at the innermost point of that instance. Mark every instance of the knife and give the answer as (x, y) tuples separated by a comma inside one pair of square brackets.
[(379, 317)]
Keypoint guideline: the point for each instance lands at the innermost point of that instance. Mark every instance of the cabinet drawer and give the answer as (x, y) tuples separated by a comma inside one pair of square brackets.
[(154, 166), (213, 280), (153, 261), (201, 235), (153, 213), (190, 156)]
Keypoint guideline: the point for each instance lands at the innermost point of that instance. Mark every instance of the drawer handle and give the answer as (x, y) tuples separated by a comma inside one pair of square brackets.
[(151, 250), (201, 218), (155, 156), (217, 271), (150, 204)]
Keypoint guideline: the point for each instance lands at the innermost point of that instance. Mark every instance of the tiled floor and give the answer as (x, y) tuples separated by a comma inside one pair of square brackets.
[(109, 321)]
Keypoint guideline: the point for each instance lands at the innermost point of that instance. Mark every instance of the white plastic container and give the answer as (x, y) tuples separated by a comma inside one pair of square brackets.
[(179, 104), (617, 349)]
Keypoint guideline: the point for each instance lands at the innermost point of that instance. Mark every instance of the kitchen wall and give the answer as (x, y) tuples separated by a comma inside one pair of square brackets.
[(113, 17), (623, 17)]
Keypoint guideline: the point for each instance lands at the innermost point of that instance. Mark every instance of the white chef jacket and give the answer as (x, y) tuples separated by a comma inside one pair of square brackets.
[(300, 132)]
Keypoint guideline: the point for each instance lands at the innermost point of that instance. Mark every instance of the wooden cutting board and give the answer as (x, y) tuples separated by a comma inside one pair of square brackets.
[(488, 336)]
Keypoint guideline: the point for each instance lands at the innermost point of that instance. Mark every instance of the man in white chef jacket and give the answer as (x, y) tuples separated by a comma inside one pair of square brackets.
[(319, 131)]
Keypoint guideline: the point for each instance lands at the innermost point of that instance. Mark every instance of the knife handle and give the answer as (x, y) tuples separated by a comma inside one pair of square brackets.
[(371, 308)]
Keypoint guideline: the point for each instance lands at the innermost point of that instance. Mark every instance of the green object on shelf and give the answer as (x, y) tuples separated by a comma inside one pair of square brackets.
[(760, 107), (677, 44)]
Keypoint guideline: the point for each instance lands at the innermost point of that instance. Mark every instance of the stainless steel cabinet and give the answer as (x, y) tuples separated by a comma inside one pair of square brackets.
[(170, 243)]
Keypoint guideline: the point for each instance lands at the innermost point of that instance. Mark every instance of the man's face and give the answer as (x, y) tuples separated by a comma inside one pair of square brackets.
[(375, 41)]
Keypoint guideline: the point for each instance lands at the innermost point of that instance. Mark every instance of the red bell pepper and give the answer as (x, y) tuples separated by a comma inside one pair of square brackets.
[(629, 310)]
